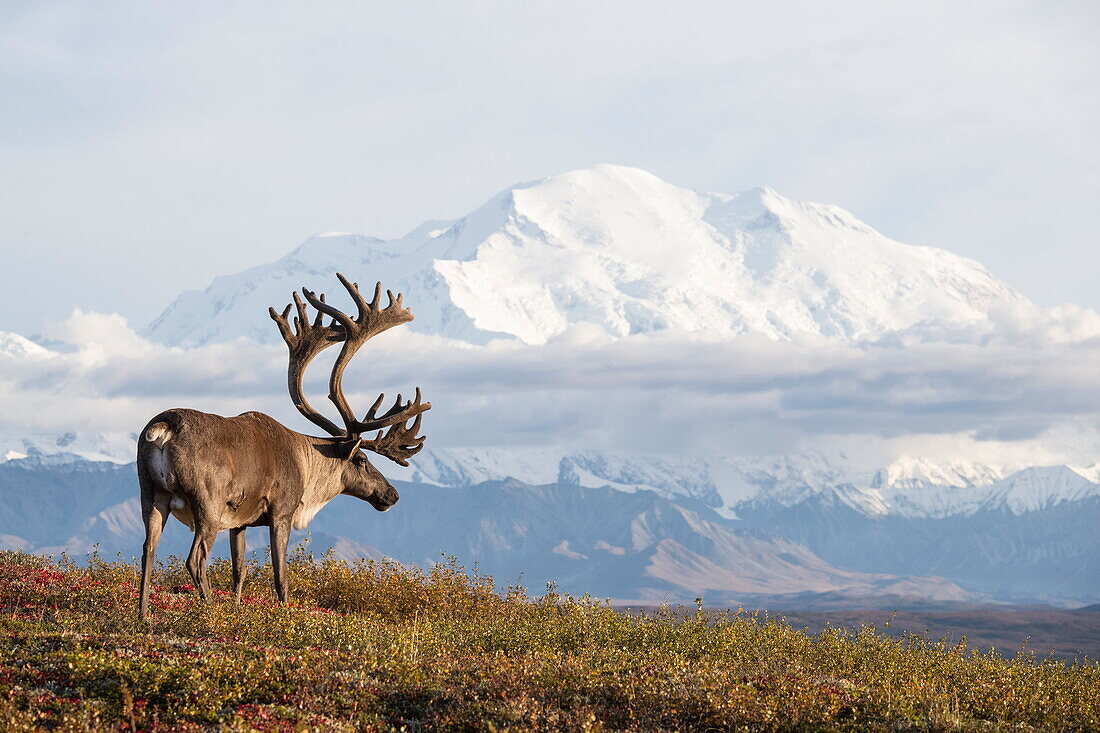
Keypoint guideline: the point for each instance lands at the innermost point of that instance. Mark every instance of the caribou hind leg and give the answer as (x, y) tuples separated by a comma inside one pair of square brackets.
[(205, 534), (237, 550), (153, 477), (154, 512)]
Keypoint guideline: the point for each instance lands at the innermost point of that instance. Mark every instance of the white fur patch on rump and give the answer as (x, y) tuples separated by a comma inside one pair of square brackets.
[(158, 434)]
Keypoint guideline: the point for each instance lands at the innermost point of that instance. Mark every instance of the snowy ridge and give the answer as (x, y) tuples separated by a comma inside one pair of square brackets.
[(1039, 488), (20, 347), (621, 248), (915, 473), (52, 448), (726, 483), (906, 487)]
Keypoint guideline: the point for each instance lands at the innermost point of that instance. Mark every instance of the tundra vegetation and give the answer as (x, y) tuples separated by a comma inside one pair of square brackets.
[(378, 646)]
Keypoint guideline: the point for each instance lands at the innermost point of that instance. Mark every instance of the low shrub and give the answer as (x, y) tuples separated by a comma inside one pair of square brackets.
[(379, 646)]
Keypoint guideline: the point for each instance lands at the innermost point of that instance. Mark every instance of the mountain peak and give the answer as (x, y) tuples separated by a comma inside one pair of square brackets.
[(619, 247), (12, 344), (1040, 487), (602, 173)]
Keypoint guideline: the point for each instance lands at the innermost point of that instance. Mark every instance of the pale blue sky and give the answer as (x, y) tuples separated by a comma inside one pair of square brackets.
[(146, 148)]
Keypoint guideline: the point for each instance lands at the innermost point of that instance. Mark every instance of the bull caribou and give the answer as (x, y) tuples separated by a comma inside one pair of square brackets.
[(214, 473)]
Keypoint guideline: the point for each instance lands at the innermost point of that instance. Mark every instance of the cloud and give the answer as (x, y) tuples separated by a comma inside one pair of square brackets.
[(661, 392)]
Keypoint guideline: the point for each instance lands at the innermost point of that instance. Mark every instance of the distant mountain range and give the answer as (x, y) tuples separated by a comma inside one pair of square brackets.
[(792, 538)]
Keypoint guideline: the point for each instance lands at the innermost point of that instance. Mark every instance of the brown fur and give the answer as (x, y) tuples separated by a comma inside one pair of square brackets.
[(214, 473)]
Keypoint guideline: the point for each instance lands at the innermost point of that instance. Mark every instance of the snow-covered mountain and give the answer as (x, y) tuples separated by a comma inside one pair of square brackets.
[(54, 447), (623, 249), (905, 488), (15, 346)]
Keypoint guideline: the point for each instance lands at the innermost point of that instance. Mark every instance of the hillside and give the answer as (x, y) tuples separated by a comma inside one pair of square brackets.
[(380, 647), (1042, 630)]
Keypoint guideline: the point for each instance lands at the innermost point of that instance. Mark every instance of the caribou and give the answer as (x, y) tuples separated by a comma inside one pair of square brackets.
[(214, 473)]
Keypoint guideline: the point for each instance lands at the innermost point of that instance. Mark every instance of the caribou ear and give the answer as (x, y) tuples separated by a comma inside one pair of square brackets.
[(349, 447)]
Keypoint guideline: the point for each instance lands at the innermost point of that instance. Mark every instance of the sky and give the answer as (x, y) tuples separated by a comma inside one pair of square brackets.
[(146, 148)]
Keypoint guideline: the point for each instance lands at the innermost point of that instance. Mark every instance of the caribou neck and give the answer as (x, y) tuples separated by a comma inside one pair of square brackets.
[(322, 470)]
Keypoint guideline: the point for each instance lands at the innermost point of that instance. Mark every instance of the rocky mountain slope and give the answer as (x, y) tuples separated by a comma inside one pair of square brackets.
[(794, 537), (634, 547)]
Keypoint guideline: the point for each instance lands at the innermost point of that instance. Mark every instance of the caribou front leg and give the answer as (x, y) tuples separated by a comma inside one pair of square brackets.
[(280, 538), (237, 549), (154, 512)]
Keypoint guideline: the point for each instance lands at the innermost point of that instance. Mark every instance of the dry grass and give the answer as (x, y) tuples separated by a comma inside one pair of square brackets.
[(369, 646)]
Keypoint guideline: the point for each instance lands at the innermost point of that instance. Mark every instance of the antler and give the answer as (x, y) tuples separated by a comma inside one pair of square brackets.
[(398, 413), (370, 321), (305, 341), (399, 443)]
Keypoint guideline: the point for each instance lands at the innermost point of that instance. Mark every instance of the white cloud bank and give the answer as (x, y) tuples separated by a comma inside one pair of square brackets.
[(1027, 389)]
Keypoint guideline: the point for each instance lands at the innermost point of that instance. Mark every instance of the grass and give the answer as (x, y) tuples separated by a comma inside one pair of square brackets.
[(368, 646)]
